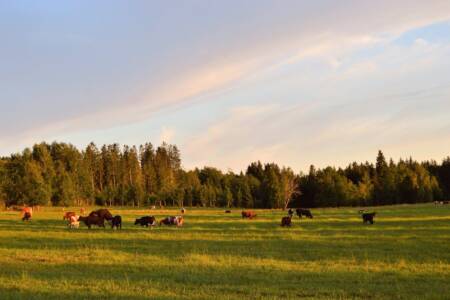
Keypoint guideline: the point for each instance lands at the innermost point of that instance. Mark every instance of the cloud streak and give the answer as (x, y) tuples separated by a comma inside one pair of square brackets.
[(233, 52)]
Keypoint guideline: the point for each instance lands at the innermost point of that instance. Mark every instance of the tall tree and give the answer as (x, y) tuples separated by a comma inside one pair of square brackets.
[(289, 186), (271, 187)]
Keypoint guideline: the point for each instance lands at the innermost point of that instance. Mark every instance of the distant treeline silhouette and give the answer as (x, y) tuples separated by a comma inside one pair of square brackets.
[(60, 174)]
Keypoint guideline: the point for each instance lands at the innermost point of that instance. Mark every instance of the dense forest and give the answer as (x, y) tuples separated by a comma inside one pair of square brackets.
[(60, 174)]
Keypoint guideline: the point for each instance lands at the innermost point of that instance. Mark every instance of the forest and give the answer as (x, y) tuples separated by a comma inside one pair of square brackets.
[(59, 174)]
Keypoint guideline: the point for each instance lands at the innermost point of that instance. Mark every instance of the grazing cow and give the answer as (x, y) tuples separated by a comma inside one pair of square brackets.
[(446, 202), (304, 212), (172, 220), (146, 221), (183, 210), (102, 213), (368, 217), (179, 221), (286, 221), (26, 216), (228, 211), (248, 214), (116, 222), (73, 222), (93, 220), (167, 221), (68, 214), (27, 209), (27, 213)]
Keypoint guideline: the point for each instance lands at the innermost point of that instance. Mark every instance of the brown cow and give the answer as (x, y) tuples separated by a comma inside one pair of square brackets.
[(286, 221), (27, 209), (27, 213), (248, 214), (68, 214), (178, 220), (73, 222), (102, 213), (93, 220)]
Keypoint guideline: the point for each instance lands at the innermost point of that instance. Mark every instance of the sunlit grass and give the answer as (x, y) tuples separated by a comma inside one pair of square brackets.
[(404, 255)]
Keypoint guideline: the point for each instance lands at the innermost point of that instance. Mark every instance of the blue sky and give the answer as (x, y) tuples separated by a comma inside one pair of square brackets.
[(230, 82)]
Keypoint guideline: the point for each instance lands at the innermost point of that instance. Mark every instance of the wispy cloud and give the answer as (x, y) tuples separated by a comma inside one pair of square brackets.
[(386, 113), (305, 58)]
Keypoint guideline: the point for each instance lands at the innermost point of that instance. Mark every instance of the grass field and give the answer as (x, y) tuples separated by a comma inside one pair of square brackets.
[(404, 255)]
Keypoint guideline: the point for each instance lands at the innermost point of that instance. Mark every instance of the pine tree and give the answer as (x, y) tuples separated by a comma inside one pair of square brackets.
[(271, 187)]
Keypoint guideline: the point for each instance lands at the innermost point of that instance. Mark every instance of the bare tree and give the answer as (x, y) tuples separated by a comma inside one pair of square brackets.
[(289, 186)]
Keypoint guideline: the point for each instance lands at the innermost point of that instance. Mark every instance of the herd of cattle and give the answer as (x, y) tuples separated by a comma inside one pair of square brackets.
[(98, 218)]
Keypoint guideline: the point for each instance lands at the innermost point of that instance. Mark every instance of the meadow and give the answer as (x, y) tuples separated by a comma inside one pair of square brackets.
[(404, 255)]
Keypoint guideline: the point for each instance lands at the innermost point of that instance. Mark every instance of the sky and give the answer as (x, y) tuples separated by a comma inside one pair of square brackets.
[(230, 82)]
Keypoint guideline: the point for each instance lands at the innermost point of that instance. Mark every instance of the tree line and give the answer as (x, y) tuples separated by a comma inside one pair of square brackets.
[(61, 175)]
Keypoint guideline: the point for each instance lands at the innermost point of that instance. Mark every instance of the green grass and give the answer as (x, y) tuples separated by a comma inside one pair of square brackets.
[(404, 255)]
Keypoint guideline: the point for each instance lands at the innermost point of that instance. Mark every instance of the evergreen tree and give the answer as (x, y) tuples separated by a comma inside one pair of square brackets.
[(309, 187), (271, 187), (147, 154), (64, 191)]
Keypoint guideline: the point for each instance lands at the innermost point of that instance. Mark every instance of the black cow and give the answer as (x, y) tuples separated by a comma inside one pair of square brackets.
[(146, 221), (304, 212), (26, 216), (116, 222), (368, 217)]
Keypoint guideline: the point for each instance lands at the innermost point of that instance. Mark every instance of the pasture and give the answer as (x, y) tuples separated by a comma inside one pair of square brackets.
[(404, 255)]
